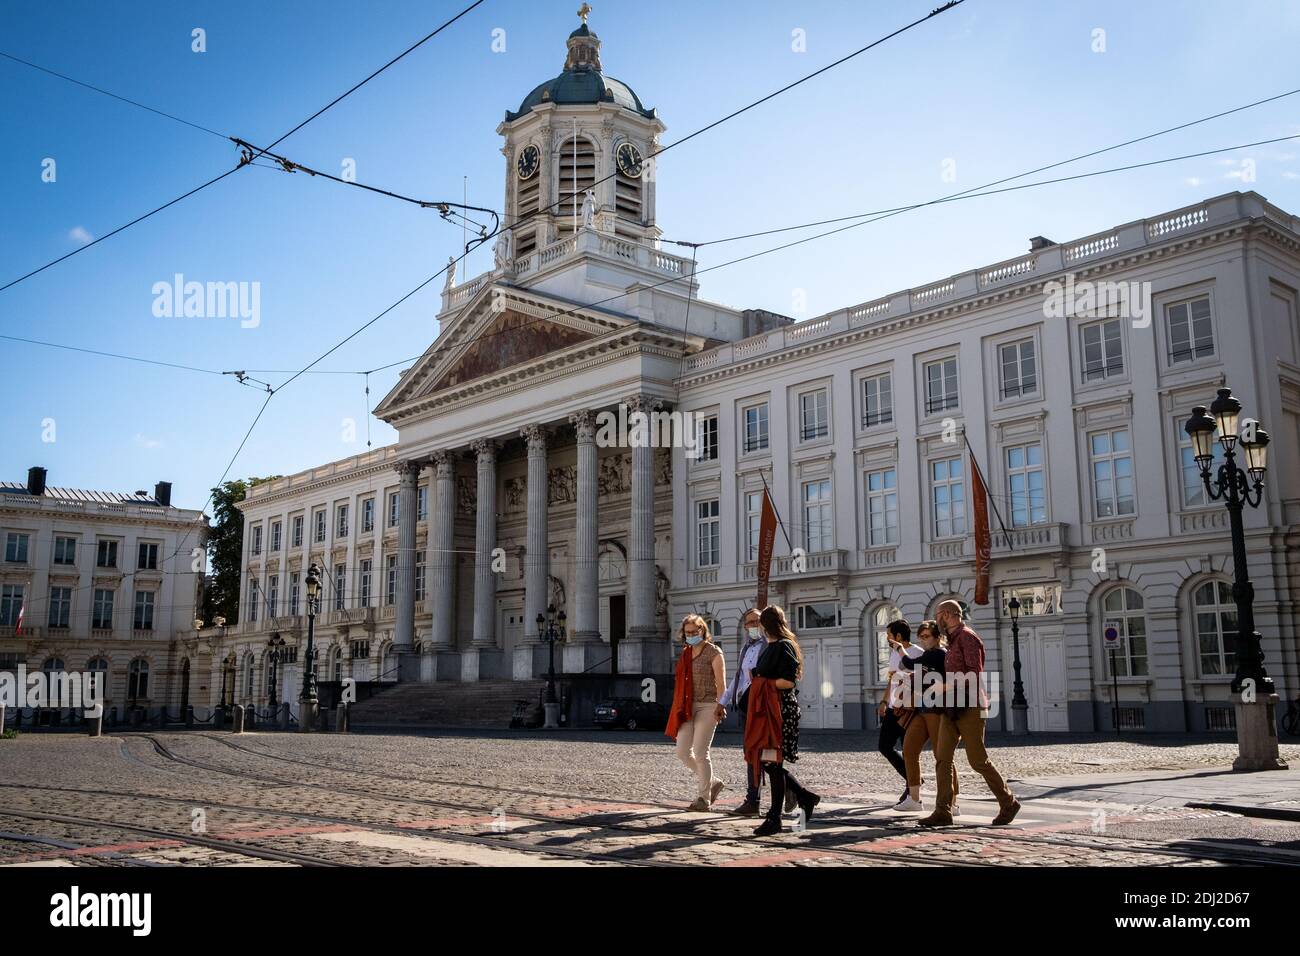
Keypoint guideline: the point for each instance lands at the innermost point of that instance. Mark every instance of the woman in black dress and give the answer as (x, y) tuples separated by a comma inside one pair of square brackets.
[(782, 662)]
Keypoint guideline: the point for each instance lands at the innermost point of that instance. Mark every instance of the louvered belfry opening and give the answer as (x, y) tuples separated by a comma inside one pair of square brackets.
[(584, 162), (628, 203)]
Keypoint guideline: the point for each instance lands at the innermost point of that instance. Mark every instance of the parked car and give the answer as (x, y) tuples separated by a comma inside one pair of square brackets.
[(631, 713)]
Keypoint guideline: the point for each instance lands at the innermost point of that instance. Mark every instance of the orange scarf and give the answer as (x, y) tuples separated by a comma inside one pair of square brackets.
[(683, 694)]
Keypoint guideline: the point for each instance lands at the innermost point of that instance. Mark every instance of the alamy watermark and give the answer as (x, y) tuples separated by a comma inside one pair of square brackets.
[(180, 299), (633, 428), (1122, 300), (65, 690)]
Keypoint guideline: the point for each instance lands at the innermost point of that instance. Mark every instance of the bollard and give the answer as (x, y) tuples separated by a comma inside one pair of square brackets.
[(341, 719), (237, 719), (250, 717), (284, 716), (219, 718), (2, 718), (189, 717), (95, 723), (323, 723), (308, 717)]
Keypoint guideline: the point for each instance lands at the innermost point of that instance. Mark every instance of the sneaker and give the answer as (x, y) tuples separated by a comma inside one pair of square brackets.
[(768, 827), (908, 805), (936, 819), (808, 805), (1007, 814), (714, 791), (749, 808), (699, 804)]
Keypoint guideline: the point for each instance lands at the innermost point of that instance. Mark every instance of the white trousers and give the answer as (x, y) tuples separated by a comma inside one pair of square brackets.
[(694, 738)]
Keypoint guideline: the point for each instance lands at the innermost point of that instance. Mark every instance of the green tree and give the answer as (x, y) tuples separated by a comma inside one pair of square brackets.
[(225, 548)]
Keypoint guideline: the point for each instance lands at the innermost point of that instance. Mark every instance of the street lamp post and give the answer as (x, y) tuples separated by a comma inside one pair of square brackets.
[(1019, 705), (548, 632), (275, 643), (1256, 698), (308, 703)]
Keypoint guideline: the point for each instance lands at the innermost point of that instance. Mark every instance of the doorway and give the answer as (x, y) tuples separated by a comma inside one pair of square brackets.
[(1042, 669), (821, 692)]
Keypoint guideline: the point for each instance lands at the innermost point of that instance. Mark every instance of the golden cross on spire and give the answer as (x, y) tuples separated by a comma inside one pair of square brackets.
[(584, 11)]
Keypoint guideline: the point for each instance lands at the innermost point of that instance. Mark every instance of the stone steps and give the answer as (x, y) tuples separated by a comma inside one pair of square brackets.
[(486, 704)]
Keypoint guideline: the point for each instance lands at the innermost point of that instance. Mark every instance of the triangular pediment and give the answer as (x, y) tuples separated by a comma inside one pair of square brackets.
[(502, 328)]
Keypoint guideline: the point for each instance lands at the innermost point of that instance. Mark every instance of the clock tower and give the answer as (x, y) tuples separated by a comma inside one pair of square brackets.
[(568, 134)]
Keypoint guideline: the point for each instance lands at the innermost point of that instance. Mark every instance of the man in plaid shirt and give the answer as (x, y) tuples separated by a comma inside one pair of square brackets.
[(964, 667)]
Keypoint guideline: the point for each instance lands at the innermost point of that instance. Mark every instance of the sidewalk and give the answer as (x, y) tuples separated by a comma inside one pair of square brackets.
[(1274, 794)]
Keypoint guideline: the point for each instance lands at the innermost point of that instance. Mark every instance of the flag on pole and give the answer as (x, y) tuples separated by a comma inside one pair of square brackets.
[(983, 544), (766, 539)]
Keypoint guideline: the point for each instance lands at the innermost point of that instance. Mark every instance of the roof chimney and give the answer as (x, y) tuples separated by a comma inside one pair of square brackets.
[(36, 480), (162, 493), (1039, 242)]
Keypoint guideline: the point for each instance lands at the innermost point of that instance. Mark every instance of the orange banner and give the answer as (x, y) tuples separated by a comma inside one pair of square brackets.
[(983, 545), (766, 539)]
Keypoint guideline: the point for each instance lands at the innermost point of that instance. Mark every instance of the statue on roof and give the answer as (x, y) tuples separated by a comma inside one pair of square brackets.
[(589, 210), (584, 11), (503, 250)]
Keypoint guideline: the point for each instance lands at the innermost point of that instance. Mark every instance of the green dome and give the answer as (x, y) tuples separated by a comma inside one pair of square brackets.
[(581, 83)]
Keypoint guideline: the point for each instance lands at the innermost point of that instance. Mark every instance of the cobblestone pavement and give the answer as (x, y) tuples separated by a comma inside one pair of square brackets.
[(572, 799)]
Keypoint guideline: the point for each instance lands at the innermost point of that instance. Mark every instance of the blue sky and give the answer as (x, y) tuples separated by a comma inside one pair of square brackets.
[(995, 86)]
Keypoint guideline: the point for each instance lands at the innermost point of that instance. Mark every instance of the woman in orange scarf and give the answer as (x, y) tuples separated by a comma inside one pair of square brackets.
[(700, 680)]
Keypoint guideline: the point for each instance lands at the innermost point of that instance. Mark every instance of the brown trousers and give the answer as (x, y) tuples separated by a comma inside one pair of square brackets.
[(924, 726), (969, 727)]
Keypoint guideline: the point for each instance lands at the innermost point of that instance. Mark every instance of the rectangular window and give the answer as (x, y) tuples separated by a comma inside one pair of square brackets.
[(16, 547), (1193, 487), (419, 575), (11, 602), (753, 523), (60, 607), (941, 386), (877, 400), (756, 428), (106, 556), (144, 601), (948, 497), (147, 559), (1112, 473), (817, 534), (1025, 487), (707, 531), (340, 586), (297, 531), (101, 614), (390, 579), (275, 536), (318, 526), (341, 521), (254, 599), (295, 589), (1019, 369), (1103, 350), (394, 508), (363, 588), (368, 515), (814, 420), (882, 507), (272, 595), (706, 438), (809, 617), (1190, 334), (65, 550), (422, 503)]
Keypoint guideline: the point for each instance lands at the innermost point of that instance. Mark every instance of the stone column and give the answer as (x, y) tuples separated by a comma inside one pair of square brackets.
[(440, 566), (586, 650), (408, 473), (530, 654), (645, 650), (482, 660)]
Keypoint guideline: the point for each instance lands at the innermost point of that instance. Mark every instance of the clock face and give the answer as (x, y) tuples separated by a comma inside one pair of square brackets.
[(629, 160), (530, 160)]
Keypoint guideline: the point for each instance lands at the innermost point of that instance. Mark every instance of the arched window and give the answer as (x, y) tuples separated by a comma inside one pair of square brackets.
[(249, 677), (875, 641), (138, 679), (1124, 610), (98, 667), (1215, 614), (611, 565), (52, 665), (934, 607)]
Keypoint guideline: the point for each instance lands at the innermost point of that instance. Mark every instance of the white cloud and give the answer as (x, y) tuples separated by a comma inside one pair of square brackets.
[(146, 442), (1235, 174), (1290, 175), (1193, 180), (79, 234)]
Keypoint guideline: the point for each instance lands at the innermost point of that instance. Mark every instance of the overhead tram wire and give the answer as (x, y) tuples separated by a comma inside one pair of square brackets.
[(744, 109), (217, 179)]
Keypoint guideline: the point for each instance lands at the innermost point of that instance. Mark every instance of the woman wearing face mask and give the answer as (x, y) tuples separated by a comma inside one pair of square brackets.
[(736, 698), (700, 681), (772, 737)]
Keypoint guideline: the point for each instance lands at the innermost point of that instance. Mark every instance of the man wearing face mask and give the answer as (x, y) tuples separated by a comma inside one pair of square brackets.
[(735, 697)]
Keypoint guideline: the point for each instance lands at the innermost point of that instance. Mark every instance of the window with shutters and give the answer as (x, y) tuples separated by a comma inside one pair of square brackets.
[(577, 174)]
